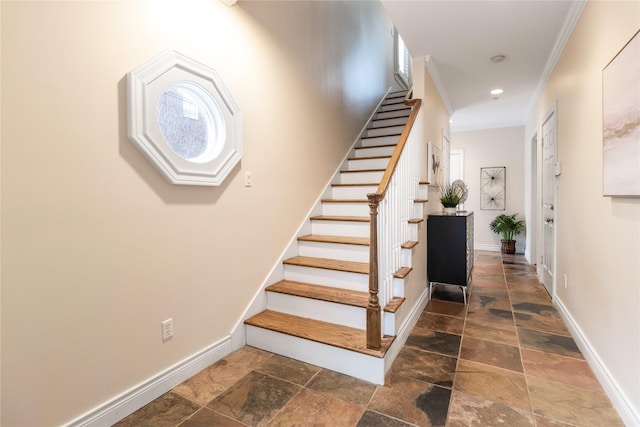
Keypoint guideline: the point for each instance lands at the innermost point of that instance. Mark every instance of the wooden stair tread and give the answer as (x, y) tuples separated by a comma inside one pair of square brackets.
[(341, 218), (329, 264), (402, 272), (394, 305), (410, 244), (347, 240), (356, 185), (322, 332), (376, 146), (321, 293), (368, 158), (345, 201), (381, 136), (362, 170)]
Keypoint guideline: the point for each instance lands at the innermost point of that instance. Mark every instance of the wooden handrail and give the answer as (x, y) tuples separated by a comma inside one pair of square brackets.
[(384, 183), (374, 330)]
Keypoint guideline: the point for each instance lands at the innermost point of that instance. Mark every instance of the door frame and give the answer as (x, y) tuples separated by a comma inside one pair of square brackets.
[(552, 113)]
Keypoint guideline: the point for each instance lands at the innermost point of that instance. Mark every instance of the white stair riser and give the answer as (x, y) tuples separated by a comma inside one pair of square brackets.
[(396, 121), (365, 164), (361, 177), (391, 106), (389, 324), (358, 192), (345, 209), (413, 232), (375, 151), (398, 288), (422, 192), (321, 276), (357, 253), (406, 256), (341, 314), (350, 363), (393, 114), (383, 140), (340, 228), (384, 131)]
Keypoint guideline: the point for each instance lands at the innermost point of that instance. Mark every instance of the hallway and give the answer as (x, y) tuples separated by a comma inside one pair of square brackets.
[(505, 359)]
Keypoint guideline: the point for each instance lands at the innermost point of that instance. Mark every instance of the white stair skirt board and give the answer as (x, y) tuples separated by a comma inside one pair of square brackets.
[(345, 208), (356, 192), (406, 328), (347, 362), (384, 131), (358, 253), (341, 314), (364, 177), (367, 164), (320, 276), (620, 401), (135, 398), (340, 228), (382, 140)]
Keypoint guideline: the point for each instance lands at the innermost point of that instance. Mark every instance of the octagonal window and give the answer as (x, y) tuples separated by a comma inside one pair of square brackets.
[(182, 117)]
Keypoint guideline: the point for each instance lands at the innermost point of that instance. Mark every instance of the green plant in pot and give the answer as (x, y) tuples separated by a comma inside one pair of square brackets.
[(450, 197), (507, 226)]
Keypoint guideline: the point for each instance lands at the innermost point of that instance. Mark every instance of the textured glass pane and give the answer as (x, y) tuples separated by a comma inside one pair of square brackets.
[(182, 122)]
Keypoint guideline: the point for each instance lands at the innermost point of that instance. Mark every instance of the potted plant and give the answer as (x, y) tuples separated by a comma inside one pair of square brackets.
[(450, 197), (507, 226)]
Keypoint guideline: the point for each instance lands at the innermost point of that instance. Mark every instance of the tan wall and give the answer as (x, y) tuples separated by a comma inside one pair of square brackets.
[(97, 247), (598, 245), (493, 148), (435, 117)]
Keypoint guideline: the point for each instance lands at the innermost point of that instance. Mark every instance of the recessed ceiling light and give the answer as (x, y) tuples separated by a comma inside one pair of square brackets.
[(496, 91), (497, 58)]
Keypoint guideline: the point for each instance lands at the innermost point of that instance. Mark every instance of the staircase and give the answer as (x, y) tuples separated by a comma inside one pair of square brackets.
[(318, 312)]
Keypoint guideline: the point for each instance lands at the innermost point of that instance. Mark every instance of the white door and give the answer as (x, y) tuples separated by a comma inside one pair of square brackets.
[(548, 198)]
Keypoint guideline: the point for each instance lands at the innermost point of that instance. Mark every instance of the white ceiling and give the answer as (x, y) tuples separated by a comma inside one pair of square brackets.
[(460, 37)]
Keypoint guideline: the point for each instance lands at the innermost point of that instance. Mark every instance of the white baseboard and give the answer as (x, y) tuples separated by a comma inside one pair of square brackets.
[(482, 247), (630, 415), (130, 401), (406, 329)]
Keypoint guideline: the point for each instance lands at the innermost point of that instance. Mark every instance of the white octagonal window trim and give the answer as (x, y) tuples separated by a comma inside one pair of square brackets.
[(183, 118)]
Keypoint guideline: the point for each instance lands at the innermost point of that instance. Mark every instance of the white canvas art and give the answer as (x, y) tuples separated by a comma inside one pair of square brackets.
[(621, 122)]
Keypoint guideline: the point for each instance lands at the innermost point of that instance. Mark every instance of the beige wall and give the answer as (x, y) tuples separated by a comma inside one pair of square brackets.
[(97, 247), (493, 148), (598, 246), (435, 117)]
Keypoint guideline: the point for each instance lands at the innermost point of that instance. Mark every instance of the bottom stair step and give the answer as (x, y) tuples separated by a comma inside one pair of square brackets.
[(322, 332)]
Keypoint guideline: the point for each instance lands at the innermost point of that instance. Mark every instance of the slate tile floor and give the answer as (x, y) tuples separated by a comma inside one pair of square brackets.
[(505, 359)]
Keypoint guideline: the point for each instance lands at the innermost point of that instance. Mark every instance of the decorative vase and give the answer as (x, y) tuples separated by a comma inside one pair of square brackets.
[(450, 211), (508, 246)]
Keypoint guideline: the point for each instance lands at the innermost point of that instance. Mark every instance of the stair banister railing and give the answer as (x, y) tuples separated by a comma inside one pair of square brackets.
[(390, 209)]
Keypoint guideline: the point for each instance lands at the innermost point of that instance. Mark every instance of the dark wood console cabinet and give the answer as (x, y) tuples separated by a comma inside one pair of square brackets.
[(450, 250)]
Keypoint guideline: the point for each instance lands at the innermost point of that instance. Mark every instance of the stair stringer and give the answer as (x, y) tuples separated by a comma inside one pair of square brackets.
[(259, 301)]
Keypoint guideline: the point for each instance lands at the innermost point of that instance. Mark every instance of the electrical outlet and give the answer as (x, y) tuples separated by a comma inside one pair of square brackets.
[(565, 281), (248, 179), (167, 329)]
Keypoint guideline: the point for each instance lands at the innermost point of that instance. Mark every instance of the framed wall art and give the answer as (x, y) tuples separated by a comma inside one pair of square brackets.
[(621, 122), (434, 164), (493, 185)]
